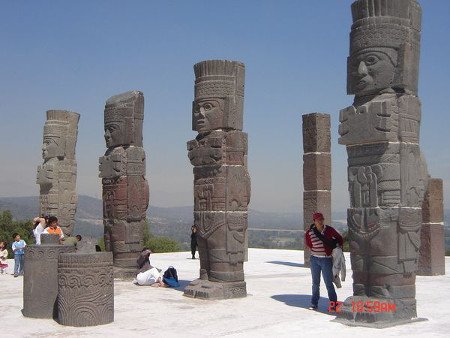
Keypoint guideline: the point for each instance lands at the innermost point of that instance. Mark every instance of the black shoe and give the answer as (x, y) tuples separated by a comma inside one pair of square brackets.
[(312, 307), (16, 275)]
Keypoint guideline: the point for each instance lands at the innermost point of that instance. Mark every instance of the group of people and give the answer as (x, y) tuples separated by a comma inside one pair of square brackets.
[(41, 225), (150, 275)]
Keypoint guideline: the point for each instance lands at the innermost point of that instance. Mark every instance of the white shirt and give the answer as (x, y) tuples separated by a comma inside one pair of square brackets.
[(37, 233)]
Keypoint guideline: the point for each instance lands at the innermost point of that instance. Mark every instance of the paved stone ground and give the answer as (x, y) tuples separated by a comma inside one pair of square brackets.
[(279, 290)]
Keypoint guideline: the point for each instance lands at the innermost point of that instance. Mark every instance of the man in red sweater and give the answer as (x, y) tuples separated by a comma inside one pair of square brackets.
[(321, 240)]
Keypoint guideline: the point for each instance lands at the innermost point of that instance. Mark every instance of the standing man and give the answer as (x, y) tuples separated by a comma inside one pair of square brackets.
[(321, 239), (193, 240), (18, 248)]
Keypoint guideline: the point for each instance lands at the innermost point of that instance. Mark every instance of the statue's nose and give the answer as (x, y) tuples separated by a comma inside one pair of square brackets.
[(362, 68)]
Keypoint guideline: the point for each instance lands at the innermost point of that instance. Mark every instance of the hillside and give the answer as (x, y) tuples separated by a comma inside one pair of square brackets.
[(266, 229)]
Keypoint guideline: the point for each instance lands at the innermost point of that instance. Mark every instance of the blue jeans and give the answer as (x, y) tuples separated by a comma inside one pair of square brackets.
[(326, 266), (18, 264)]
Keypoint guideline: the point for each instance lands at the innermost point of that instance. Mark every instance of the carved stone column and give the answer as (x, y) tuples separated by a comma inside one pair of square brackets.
[(316, 170), (387, 173), (125, 189), (57, 176), (221, 179), (85, 289), (432, 236), (40, 280)]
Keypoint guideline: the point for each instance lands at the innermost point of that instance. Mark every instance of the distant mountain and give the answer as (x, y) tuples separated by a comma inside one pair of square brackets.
[(173, 221)]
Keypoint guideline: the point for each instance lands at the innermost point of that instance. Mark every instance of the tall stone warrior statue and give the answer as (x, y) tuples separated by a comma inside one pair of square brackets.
[(387, 174), (125, 189), (221, 179), (57, 176)]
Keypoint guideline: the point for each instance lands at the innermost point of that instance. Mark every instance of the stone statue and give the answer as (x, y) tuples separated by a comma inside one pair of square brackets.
[(125, 189), (387, 173), (221, 179), (58, 174)]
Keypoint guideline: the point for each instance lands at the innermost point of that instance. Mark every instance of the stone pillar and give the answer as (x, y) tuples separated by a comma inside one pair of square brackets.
[(221, 179), (316, 170), (125, 189), (85, 289), (40, 280), (387, 173), (432, 237), (57, 176)]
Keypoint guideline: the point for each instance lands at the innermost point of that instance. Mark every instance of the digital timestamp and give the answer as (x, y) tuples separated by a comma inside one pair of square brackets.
[(367, 306)]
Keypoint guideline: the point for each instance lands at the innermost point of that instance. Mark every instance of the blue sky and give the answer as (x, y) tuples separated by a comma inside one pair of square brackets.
[(75, 54)]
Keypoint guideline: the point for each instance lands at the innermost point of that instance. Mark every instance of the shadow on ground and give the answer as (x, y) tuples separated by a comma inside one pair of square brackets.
[(303, 301), (298, 265), (183, 284)]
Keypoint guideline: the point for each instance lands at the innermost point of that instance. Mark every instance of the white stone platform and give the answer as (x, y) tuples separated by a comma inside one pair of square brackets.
[(279, 293)]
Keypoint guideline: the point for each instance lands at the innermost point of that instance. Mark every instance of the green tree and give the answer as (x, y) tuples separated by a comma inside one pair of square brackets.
[(8, 226)]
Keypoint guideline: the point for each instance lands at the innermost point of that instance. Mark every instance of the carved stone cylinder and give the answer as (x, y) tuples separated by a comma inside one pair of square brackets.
[(85, 289), (40, 281), (316, 170)]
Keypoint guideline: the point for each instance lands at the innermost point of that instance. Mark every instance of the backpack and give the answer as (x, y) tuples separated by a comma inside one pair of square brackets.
[(170, 277)]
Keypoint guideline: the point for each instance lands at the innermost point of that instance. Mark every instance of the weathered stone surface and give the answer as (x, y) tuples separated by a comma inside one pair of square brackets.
[(221, 180), (432, 250), (219, 95), (432, 237), (58, 174), (49, 239), (433, 204), (125, 189), (314, 201), (317, 171), (316, 133), (85, 289), (387, 173), (40, 281), (87, 245)]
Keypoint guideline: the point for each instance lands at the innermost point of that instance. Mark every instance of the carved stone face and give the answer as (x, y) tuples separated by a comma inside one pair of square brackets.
[(113, 134), (372, 71), (208, 114), (50, 148)]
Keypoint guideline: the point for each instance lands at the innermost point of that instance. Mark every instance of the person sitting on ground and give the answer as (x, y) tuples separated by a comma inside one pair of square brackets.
[(53, 227), (69, 240), (147, 274), (40, 223), (3, 257), (18, 248)]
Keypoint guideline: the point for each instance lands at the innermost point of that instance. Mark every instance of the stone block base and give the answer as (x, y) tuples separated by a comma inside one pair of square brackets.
[(432, 250), (205, 289), (366, 312)]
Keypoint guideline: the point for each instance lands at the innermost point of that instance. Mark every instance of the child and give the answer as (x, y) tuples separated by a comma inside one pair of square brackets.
[(18, 248), (3, 257)]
